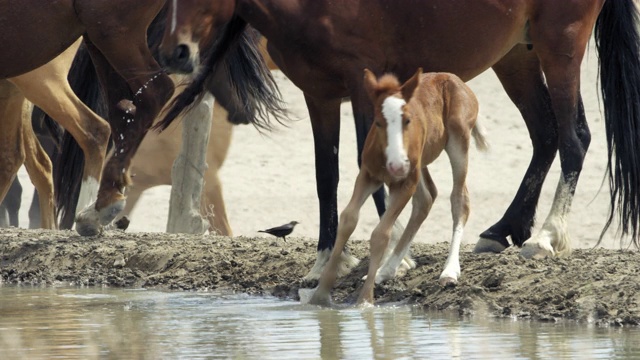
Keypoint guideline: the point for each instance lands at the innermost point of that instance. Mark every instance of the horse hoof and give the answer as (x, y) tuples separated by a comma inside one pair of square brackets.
[(123, 223), (88, 228), (488, 246), (319, 298), (109, 213), (535, 251), (448, 282)]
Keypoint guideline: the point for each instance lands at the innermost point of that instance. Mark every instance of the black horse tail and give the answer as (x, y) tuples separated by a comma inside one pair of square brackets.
[(618, 44), (237, 52), (69, 163)]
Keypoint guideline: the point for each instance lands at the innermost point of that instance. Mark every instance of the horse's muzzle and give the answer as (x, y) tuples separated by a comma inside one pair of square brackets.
[(179, 61)]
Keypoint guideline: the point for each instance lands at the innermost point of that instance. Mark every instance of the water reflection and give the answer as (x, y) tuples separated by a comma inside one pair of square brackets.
[(115, 323)]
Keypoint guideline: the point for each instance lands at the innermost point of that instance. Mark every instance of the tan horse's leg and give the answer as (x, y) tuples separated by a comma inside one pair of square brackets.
[(426, 193), (364, 187), (48, 88), (39, 168), (399, 195), (11, 150), (212, 200)]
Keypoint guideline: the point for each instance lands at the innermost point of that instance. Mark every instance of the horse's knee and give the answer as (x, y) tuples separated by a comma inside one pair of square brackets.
[(348, 219)]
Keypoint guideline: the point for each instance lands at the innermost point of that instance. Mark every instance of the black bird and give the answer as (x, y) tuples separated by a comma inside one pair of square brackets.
[(282, 230)]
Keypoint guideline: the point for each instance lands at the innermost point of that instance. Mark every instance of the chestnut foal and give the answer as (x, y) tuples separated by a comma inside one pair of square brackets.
[(414, 122)]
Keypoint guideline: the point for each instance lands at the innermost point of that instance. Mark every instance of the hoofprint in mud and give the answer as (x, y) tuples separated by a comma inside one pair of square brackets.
[(592, 286)]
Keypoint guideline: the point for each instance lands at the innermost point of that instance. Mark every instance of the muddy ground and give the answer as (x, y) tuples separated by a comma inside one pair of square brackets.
[(598, 286)]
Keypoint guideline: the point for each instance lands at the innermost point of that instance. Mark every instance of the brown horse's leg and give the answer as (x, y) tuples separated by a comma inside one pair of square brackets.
[(425, 195), (48, 88), (213, 201), (364, 187), (399, 195), (520, 74), (325, 122), (11, 148), (39, 168), (151, 88), (562, 73)]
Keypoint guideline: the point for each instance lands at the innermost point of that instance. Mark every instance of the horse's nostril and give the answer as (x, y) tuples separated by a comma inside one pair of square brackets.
[(181, 52)]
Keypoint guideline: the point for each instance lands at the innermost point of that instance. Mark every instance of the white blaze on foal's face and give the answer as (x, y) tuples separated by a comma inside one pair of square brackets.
[(397, 159)]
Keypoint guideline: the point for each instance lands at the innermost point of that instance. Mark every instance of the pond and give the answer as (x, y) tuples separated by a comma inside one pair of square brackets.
[(64, 322)]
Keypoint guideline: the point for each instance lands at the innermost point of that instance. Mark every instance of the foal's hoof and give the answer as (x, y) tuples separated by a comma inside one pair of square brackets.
[(536, 251), (448, 282), (488, 246)]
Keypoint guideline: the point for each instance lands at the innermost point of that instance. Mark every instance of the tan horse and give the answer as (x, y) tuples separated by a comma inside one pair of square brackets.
[(154, 159), (47, 87), (414, 123)]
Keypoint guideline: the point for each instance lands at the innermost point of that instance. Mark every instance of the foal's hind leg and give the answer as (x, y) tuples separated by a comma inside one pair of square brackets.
[(520, 74), (458, 151)]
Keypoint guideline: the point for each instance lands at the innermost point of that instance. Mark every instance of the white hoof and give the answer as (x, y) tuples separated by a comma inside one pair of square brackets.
[(90, 222), (347, 262), (536, 250)]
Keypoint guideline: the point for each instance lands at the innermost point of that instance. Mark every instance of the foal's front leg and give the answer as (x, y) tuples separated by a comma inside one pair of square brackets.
[(399, 195), (422, 201), (364, 187)]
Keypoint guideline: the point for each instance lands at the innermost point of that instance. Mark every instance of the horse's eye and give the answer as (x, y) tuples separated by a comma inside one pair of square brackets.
[(407, 121), (378, 124)]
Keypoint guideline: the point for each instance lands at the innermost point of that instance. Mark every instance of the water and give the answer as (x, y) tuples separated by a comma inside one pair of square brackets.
[(137, 324)]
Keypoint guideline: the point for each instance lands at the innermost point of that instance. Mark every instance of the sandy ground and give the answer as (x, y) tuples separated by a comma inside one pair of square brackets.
[(269, 180)]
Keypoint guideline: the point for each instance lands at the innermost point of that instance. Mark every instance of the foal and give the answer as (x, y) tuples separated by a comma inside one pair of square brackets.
[(414, 122)]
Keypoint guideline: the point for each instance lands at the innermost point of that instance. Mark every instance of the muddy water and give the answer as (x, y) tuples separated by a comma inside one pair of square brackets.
[(115, 323)]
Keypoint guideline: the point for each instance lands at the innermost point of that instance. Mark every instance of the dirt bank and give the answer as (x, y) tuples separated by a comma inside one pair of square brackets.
[(601, 286)]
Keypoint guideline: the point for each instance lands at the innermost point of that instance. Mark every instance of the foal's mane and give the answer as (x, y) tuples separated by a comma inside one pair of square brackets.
[(388, 84)]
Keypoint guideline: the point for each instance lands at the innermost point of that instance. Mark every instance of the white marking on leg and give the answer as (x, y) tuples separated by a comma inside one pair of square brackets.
[(347, 262), (397, 160), (88, 193), (174, 16), (553, 238), (452, 265)]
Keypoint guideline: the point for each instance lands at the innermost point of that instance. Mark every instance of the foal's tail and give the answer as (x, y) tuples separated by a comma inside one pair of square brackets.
[(479, 136), (618, 44)]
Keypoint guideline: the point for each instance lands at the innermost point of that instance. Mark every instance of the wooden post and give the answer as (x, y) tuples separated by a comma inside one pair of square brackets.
[(187, 174)]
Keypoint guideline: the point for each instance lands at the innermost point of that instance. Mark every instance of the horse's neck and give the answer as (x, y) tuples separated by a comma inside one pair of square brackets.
[(268, 16)]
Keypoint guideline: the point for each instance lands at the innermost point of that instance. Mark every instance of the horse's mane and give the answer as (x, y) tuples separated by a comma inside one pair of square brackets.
[(253, 84)]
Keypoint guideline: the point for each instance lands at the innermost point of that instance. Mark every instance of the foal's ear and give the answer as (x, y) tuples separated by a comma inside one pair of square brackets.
[(410, 85), (370, 83)]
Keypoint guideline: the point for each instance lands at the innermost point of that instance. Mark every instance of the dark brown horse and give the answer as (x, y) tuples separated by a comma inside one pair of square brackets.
[(534, 46), (115, 32)]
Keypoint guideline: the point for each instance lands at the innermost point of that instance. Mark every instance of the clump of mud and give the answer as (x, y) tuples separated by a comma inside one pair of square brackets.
[(598, 286)]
